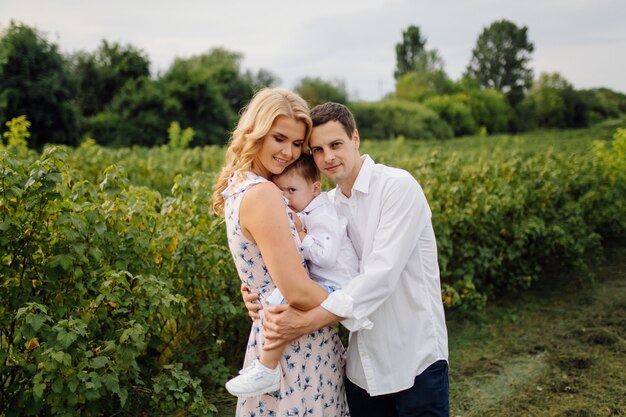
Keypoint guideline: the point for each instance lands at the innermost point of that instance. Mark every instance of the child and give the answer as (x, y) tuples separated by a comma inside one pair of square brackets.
[(327, 249)]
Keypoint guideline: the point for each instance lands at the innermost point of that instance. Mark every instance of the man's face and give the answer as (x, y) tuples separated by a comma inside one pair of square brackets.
[(336, 154)]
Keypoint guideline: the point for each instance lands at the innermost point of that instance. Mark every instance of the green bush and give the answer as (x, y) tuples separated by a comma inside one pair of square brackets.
[(491, 110), (603, 103), (552, 102), (455, 111), (104, 287), (390, 119)]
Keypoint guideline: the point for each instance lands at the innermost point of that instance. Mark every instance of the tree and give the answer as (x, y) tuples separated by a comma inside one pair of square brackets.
[(411, 54), (211, 90), (102, 74), (34, 82), (455, 111), (419, 85), (317, 91), (262, 79), (603, 103), (139, 114), (553, 102), (500, 59), (204, 92)]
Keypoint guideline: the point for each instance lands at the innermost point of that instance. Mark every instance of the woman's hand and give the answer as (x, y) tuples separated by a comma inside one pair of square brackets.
[(251, 301)]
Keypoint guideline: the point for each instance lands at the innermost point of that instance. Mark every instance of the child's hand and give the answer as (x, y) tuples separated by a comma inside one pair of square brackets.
[(299, 227), (252, 302)]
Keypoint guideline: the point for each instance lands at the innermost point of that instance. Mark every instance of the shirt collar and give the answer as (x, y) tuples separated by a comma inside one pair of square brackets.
[(362, 182), (318, 201)]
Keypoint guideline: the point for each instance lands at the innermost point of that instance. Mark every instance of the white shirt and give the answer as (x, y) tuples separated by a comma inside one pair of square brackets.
[(398, 289), (326, 246)]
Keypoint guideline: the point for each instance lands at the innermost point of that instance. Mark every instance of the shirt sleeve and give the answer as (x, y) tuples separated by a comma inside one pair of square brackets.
[(323, 240), (404, 215)]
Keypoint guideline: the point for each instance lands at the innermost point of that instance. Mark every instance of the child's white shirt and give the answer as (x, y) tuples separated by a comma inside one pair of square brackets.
[(329, 252)]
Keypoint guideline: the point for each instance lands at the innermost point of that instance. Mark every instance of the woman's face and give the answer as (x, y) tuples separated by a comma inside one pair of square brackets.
[(281, 146)]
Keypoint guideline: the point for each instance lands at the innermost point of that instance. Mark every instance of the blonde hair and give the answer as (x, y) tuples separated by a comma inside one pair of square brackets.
[(254, 124)]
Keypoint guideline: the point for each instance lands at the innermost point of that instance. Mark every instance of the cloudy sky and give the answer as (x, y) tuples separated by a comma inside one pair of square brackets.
[(349, 40)]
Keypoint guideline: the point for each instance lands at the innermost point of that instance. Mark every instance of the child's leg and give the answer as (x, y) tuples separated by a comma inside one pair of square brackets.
[(270, 358), (263, 375)]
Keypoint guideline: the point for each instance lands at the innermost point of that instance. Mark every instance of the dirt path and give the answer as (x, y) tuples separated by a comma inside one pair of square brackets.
[(558, 351)]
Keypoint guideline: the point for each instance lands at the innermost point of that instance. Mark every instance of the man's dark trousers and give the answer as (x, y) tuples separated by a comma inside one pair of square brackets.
[(429, 397)]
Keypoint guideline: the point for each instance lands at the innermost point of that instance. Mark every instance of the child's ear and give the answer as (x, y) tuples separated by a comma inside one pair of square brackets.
[(317, 188)]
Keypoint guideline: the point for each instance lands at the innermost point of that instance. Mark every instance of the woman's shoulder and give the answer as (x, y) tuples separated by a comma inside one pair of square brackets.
[(263, 192), (241, 182), (263, 202)]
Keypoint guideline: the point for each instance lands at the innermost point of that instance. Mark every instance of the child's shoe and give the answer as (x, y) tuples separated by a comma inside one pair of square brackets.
[(256, 379)]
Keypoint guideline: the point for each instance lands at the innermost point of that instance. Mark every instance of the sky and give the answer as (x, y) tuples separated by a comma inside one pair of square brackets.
[(352, 41)]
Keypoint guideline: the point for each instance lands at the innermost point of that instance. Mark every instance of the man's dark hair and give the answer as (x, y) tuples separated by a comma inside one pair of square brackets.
[(305, 166), (328, 112)]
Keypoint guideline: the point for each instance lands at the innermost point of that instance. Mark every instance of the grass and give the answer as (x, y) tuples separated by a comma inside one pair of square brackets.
[(559, 350)]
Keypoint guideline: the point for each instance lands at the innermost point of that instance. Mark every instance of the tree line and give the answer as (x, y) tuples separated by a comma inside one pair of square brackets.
[(111, 96)]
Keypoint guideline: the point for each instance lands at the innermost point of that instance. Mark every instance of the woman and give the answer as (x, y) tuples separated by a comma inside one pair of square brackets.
[(271, 134)]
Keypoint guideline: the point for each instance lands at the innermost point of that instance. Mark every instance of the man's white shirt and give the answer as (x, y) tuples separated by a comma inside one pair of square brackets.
[(393, 307)]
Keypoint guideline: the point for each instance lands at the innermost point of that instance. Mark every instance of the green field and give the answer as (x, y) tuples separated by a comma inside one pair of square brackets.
[(119, 295)]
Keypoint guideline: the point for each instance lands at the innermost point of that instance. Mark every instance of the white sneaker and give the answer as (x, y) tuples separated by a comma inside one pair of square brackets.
[(256, 379)]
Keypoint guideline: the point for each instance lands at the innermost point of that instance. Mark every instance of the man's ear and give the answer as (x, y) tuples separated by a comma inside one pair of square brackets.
[(317, 188), (356, 139)]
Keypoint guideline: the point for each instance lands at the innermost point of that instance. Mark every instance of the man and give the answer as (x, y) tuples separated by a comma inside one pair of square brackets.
[(398, 350)]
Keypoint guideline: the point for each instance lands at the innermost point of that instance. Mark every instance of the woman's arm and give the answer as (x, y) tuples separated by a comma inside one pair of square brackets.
[(263, 220)]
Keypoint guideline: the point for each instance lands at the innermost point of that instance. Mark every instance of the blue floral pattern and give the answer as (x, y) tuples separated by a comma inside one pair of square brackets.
[(313, 366)]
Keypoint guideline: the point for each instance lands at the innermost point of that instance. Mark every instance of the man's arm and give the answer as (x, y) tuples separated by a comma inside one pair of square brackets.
[(284, 323), (404, 215)]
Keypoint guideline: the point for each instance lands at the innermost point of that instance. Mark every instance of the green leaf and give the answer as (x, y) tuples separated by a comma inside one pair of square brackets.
[(58, 356), (123, 394), (65, 339), (38, 390), (98, 362), (35, 321), (64, 260), (57, 385), (73, 384)]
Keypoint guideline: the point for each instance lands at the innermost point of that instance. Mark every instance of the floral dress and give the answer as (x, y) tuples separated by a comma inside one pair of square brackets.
[(313, 365)]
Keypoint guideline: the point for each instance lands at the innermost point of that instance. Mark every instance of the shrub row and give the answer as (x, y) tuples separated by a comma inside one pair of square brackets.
[(113, 298), (117, 298)]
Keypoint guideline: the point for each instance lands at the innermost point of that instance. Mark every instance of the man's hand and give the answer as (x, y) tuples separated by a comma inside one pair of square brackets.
[(284, 324), (251, 301)]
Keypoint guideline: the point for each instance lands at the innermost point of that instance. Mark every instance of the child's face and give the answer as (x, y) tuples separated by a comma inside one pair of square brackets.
[(298, 191)]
